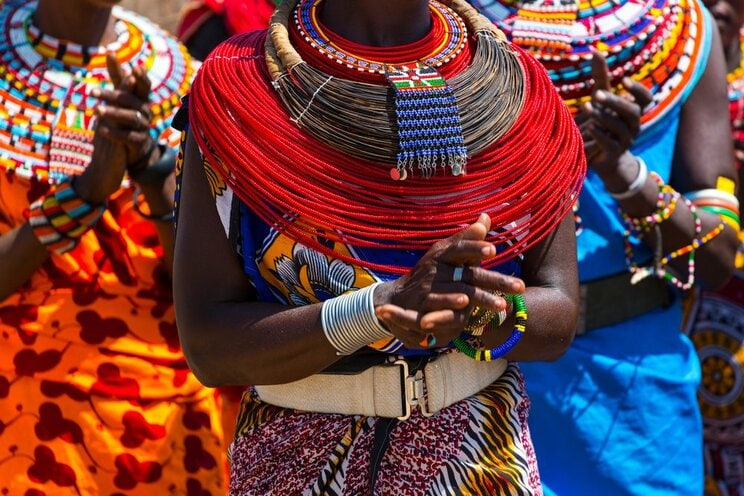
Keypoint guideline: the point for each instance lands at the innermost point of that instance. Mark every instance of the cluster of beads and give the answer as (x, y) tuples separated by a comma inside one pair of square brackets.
[(516, 302), (349, 321), (60, 218), (657, 42), (667, 200), (666, 203)]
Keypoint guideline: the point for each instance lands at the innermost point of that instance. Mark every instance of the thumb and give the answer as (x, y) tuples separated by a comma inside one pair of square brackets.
[(478, 230), (600, 72)]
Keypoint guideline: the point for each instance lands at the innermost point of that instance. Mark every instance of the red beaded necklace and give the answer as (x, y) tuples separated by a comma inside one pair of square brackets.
[(527, 180)]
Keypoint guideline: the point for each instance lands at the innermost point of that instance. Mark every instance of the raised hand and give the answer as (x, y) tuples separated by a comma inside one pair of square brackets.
[(612, 120), (122, 138), (438, 295)]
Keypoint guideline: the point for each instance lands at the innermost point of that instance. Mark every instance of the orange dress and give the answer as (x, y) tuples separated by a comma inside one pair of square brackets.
[(96, 397)]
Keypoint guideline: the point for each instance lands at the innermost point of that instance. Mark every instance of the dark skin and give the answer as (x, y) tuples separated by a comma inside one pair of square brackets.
[(703, 152), (121, 138), (729, 17), (221, 326)]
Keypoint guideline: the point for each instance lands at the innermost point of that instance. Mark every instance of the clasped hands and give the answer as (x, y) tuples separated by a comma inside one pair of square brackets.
[(437, 297)]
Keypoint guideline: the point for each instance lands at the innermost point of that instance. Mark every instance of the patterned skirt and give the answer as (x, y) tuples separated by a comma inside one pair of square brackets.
[(479, 446)]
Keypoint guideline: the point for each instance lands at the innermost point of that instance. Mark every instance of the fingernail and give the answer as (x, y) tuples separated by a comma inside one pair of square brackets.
[(461, 300), (488, 250), (95, 92), (601, 95), (627, 81), (427, 325), (101, 110)]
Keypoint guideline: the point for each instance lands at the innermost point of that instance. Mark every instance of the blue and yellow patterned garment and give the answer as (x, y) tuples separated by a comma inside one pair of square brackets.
[(480, 445), (617, 414)]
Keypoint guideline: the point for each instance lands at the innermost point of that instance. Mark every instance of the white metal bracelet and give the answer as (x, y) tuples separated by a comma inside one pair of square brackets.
[(349, 321), (637, 183)]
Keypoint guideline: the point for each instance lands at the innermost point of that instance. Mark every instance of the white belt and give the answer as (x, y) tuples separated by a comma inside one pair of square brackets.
[(388, 390)]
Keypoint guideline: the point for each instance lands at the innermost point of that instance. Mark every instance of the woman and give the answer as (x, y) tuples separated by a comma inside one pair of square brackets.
[(342, 226), (204, 24), (716, 318), (96, 394), (645, 81)]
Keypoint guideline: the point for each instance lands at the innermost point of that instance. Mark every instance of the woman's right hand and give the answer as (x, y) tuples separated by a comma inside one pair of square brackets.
[(429, 299)]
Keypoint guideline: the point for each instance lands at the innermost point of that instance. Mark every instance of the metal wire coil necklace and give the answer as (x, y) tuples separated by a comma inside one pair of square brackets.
[(488, 93)]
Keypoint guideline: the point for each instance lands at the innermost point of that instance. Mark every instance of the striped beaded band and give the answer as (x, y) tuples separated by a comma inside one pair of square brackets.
[(60, 218), (349, 321), (486, 355)]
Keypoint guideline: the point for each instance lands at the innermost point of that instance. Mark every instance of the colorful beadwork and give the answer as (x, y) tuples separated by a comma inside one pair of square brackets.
[(429, 130), (652, 41), (60, 218), (666, 203), (486, 355), (659, 267), (46, 107), (455, 39)]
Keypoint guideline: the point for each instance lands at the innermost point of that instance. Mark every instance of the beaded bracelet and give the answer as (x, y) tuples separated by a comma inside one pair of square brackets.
[(666, 203), (60, 218), (486, 355), (349, 321), (659, 267)]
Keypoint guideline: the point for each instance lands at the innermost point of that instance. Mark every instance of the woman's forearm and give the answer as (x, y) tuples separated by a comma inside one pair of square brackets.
[(239, 343), (21, 254)]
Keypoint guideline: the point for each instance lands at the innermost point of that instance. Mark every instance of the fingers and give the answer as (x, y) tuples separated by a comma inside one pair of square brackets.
[(621, 130), (123, 118), (465, 252), (129, 137), (406, 325), (142, 84), (119, 98), (600, 72), (114, 70), (627, 110), (642, 95)]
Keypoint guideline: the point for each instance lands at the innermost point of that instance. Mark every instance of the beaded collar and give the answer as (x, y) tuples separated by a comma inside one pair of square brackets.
[(453, 29), (657, 42), (46, 111)]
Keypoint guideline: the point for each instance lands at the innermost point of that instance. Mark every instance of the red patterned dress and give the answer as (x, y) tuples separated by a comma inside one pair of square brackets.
[(95, 394)]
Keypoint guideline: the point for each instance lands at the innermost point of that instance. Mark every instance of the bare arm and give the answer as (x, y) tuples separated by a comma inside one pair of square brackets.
[(229, 338), (550, 273), (226, 337), (703, 152)]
